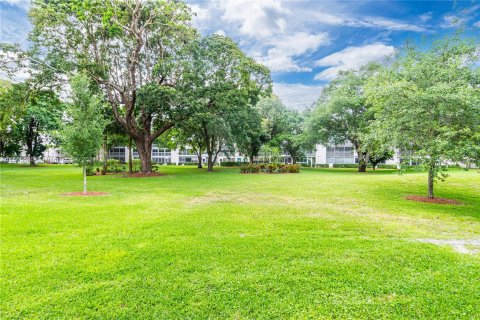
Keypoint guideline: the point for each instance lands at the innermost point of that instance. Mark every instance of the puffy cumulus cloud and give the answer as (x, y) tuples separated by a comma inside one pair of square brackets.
[(351, 58), (366, 22), (14, 23), (281, 57), (452, 21), (256, 19), (297, 96), (220, 32), (201, 16)]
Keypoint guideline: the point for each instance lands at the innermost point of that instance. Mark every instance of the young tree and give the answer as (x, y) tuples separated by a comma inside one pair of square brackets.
[(81, 137), (125, 47), (342, 113), (428, 102)]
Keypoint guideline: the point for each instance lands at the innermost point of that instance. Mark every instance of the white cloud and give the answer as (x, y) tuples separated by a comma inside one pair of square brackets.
[(297, 96), (477, 24), (425, 17), (23, 4), (256, 19), (201, 16), (281, 57), (452, 21), (366, 22), (351, 58), (220, 32)]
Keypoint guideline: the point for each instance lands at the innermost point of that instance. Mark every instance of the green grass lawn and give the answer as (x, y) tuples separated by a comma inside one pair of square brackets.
[(322, 244)]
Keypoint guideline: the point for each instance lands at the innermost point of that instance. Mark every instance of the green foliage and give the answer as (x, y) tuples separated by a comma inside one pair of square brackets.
[(27, 115), (134, 51), (81, 137), (89, 171), (222, 103), (231, 163), (428, 103), (115, 166), (270, 168), (345, 165), (342, 113), (386, 166)]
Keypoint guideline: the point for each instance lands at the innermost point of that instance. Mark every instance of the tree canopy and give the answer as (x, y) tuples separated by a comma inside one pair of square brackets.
[(428, 103)]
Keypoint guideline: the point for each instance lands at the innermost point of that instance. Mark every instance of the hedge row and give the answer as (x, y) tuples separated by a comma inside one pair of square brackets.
[(270, 168)]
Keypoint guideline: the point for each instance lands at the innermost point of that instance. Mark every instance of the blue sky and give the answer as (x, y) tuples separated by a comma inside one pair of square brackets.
[(303, 42)]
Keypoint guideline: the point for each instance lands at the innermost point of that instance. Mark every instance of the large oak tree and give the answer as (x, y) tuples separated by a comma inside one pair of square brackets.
[(125, 47)]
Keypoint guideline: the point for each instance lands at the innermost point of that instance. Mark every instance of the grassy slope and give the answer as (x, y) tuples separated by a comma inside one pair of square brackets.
[(321, 244)]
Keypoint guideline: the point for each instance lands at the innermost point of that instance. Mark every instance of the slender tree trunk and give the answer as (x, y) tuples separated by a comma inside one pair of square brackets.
[(431, 176), (199, 159), (105, 153), (84, 179), (210, 162), (251, 159), (145, 153), (362, 164), (29, 141), (130, 161)]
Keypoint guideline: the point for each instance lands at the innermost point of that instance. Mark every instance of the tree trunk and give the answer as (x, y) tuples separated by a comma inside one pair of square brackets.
[(362, 163), (105, 153), (431, 176), (29, 141), (210, 162), (251, 159), (84, 179), (130, 161), (145, 153), (199, 159)]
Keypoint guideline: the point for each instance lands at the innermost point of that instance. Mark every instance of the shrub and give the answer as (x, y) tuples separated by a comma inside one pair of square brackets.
[(386, 166), (90, 171), (322, 165), (231, 164), (270, 168), (136, 165), (114, 165), (345, 165), (293, 168)]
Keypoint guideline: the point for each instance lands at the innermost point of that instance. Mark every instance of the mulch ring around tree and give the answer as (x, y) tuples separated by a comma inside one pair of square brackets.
[(143, 175), (88, 194), (433, 200)]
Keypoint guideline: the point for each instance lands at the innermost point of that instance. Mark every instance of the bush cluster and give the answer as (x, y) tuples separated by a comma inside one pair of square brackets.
[(270, 168), (386, 166), (115, 166), (231, 163), (345, 165)]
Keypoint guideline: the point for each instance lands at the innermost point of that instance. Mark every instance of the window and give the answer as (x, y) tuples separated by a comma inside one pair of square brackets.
[(342, 154)]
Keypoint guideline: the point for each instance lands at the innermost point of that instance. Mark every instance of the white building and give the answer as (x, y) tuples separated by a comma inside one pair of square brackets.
[(338, 154)]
